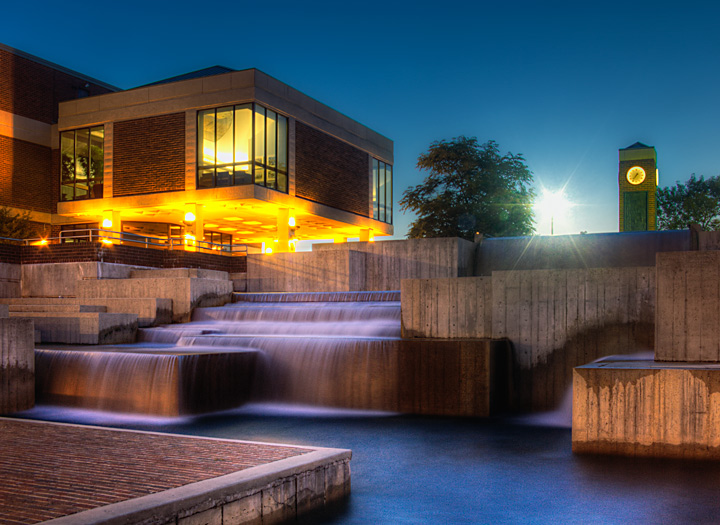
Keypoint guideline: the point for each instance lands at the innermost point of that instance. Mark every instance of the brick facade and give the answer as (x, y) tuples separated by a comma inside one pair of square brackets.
[(26, 176), (34, 90), (649, 185), (149, 155), (330, 172), (120, 254)]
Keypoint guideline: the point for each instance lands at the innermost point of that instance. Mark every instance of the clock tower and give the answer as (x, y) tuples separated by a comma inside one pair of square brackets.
[(637, 186)]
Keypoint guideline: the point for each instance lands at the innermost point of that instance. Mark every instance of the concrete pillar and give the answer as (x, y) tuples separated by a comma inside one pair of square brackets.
[(283, 230), (366, 235), (17, 365)]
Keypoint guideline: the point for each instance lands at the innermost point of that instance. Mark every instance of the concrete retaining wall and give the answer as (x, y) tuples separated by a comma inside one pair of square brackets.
[(306, 272), (564, 252), (688, 305), (447, 308), (17, 365), (58, 279), (186, 293), (10, 275), (557, 320), (387, 262), (647, 411)]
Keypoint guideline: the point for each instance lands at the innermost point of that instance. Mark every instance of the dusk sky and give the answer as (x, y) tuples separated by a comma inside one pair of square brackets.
[(564, 83)]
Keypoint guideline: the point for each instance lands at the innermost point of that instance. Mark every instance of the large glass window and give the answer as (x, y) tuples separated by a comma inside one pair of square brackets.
[(81, 164), (242, 144), (382, 196)]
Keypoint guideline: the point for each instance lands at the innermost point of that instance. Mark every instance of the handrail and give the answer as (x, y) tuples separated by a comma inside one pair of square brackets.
[(110, 237)]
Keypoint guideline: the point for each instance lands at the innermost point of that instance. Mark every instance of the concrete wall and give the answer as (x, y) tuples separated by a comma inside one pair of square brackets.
[(186, 293), (557, 320), (387, 262), (447, 308), (648, 411), (10, 275), (595, 250), (688, 306), (359, 265), (58, 279), (17, 365), (305, 272)]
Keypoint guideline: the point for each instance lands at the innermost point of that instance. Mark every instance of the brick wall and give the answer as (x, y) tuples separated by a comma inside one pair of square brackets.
[(26, 175), (135, 255), (149, 155), (331, 172), (34, 90)]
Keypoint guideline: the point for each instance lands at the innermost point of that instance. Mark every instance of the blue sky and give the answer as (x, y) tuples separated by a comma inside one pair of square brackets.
[(564, 83)]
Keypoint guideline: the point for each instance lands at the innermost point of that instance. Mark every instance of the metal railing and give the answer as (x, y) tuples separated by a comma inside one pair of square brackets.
[(110, 237)]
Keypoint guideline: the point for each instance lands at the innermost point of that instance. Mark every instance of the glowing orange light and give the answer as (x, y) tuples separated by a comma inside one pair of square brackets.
[(268, 250), (291, 222), (189, 217), (107, 223), (107, 241)]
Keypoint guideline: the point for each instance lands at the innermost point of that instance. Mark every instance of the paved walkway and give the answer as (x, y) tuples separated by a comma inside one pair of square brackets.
[(50, 470)]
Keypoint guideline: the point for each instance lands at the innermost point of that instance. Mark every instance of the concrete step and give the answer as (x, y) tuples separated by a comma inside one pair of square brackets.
[(55, 308), (83, 328), (186, 293), (311, 297), (150, 311), (175, 273)]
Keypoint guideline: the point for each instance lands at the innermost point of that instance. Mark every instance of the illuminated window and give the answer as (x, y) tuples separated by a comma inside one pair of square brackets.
[(81, 164), (382, 191), (244, 144)]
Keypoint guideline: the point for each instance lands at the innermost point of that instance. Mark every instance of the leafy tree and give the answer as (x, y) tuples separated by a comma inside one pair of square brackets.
[(695, 201), (470, 188), (15, 226)]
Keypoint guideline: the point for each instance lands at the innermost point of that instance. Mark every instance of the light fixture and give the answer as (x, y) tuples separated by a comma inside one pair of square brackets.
[(291, 222), (107, 223), (268, 250), (189, 217)]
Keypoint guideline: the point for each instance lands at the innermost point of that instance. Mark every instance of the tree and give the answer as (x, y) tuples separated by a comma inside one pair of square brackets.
[(470, 188), (17, 226), (696, 201)]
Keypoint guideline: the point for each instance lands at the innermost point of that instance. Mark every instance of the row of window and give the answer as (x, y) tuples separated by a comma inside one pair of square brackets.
[(237, 145), (382, 191), (242, 144)]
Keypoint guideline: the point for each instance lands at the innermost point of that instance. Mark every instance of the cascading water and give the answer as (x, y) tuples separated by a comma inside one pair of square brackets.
[(329, 353)]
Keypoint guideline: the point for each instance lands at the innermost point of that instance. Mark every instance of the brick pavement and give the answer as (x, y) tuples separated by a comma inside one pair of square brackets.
[(48, 470)]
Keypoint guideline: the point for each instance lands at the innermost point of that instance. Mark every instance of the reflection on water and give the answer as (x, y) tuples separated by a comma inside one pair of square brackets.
[(409, 469)]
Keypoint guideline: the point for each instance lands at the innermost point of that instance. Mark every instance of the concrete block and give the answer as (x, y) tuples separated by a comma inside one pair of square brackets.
[(50, 308), (447, 308), (59, 279), (688, 306), (185, 293), (310, 490), (646, 408), (337, 481), (247, 510), (239, 281), (278, 502), (212, 516), (176, 273), (17, 365), (83, 328), (10, 275)]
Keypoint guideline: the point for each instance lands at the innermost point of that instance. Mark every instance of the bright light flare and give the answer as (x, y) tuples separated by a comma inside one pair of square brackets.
[(553, 205)]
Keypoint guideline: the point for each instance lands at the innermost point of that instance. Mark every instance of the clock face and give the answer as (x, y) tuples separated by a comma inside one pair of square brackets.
[(636, 175)]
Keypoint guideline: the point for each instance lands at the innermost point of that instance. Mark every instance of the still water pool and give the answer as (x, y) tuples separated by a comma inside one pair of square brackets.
[(409, 469)]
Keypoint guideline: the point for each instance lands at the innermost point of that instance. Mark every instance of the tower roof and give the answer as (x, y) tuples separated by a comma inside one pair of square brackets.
[(638, 145)]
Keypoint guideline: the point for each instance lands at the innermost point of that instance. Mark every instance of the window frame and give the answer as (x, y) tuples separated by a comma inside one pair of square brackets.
[(257, 166)]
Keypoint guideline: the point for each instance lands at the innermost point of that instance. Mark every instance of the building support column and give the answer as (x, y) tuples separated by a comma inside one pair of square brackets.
[(283, 230)]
